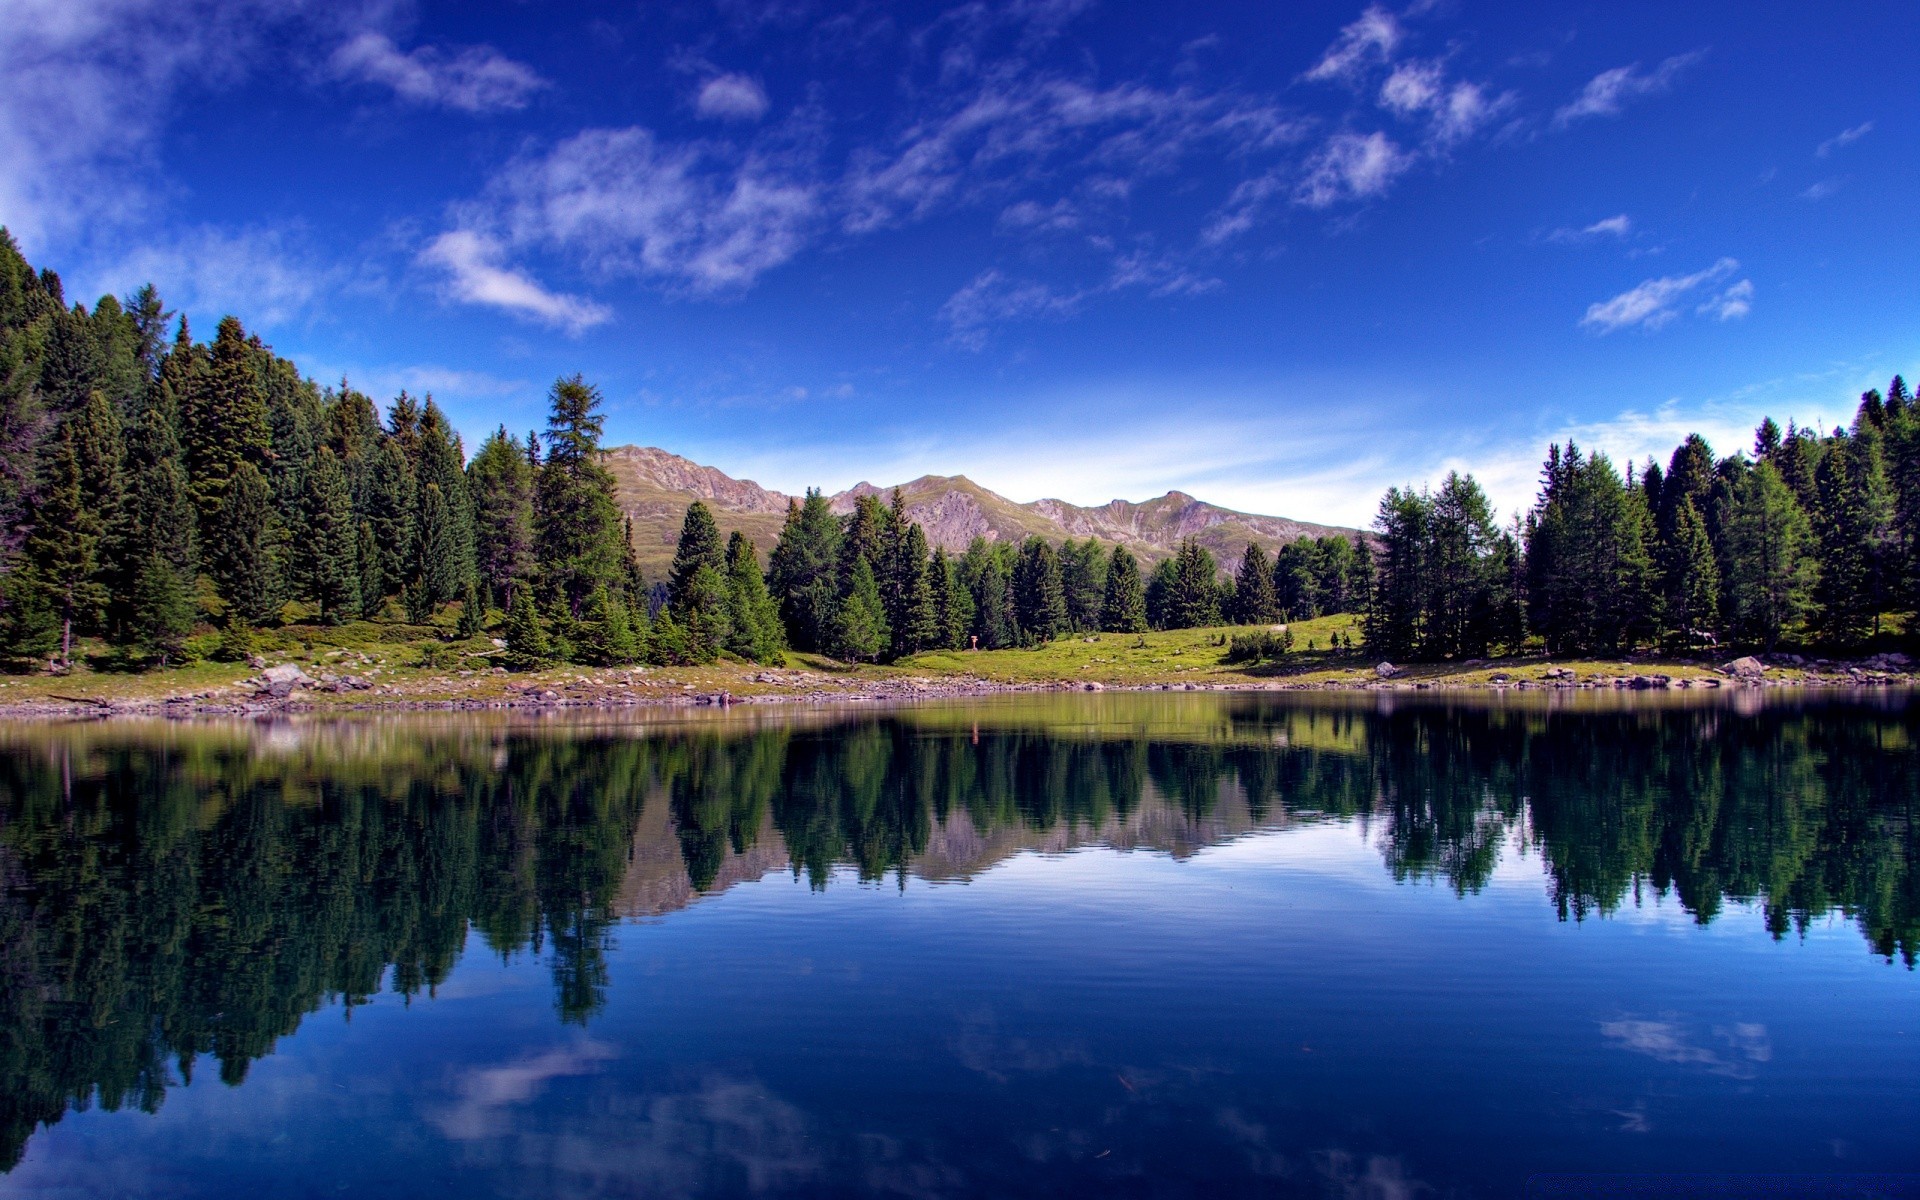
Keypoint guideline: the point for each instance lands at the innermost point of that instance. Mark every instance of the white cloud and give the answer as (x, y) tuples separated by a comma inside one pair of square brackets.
[(472, 79), (1607, 94), (1665, 1041), (1616, 226), (267, 277), (1821, 190), (694, 215), (1351, 166), (1455, 112), (473, 263), (89, 86), (991, 298), (1846, 137), (1413, 88), (1369, 41), (1650, 305), (488, 1094), (1734, 302), (731, 98)]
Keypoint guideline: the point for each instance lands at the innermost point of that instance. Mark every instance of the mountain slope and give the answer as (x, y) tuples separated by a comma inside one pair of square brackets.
[(654, 487)]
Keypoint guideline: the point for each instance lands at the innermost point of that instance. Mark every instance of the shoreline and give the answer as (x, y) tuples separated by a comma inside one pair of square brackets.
[(285, 688)]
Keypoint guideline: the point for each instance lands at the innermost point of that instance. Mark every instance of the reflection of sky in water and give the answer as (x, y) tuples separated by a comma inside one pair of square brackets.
[(1273, 1012)]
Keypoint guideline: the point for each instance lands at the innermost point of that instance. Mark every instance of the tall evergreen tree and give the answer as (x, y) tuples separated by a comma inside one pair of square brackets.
[(437, 578), (159, 608), (1124, 607), (244, 548), (391, 508), (224, 415), (1083, 581), (699, 546), (1465, 574), (1395, 623), (328, 555), (953, 602), (754, 631), (803, 572), (63, 550), (1194, 600), (1690, 591), (500, 480), (918, 625), (989, 579), (860, 625), (1590, 566), (525, 635), (1253, 597), (441, 465), (577, 525), (1039, 602), (1768, 568)]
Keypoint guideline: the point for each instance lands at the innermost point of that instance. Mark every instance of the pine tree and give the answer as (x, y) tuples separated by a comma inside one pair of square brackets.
[(860, 627), (1464, 572), (803, 572), (953, 602), (473, 611), (1855, 534), (1039, 603), (753, 621), (526, 637), (1253, 597), (225, 420), (699, 546), (603, 636), (437, 545), (243, 548), (500, 480), (986, 572), (1124, 608), (1083, 581), (391, 506), (1690, 580), (372, 566), (162, 608), (1589, 561), (440, 465), (1193, 601), (1768, 569), (577, 525), (62, 551), (918, 625), (1395, 621), (328, 555)]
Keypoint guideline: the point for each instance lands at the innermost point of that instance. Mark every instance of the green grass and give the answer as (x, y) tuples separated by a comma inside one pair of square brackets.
[(1170, 656)]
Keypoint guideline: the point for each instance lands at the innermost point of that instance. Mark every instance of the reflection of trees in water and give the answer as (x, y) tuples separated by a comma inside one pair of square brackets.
[(184, 892)]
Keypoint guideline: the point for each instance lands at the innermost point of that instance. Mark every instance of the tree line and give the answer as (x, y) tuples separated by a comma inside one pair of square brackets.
[(1811, 538), (151, 485)]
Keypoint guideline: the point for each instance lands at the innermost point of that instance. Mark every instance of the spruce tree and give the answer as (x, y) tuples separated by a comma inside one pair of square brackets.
[(803, 572), (1395, 622), (437, 558), (1254, 602), (699, 546), (243, 548), (473, 611), (162, 609), (440, 465), (577, 525), (1690, 580), (1768, 569), (1194, 599), (62, 551), (1124, 607), (391, 507), (860, 626), (918, 626), (754, 631), (1854, 532), (703, 615), (525, 635), (372, 566), (1039, 602), (989, 577), (328, 554), (224, 416), (603, 636), (1083, 580), (500, 480), (953, 602)]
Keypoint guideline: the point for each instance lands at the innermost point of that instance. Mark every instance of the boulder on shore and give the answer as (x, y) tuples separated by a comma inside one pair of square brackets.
[(1386, 670), (1746, 668)]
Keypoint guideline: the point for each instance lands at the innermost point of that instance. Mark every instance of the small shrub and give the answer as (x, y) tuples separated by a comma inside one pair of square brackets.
[(236, 644), (1258, 647), (437, 655)]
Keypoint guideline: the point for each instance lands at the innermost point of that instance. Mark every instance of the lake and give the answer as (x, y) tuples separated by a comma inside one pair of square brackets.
[(1120, 945)]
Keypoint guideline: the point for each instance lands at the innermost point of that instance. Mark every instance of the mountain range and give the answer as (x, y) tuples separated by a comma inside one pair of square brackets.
[(654, 488)]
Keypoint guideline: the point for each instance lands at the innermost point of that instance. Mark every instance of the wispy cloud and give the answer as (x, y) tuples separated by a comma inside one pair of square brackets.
[(487, 1095), (473, 79), (1747, 1044), (270, 277), (1351, 166), (1822, 190), (1615, 227), (1651, 304), (1846, 137), (1368, 42), (476, 273), (731, 98), (1607, 94), (1731, 304)]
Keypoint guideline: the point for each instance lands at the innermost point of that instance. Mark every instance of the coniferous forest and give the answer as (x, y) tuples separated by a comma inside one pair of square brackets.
[(172, 497)]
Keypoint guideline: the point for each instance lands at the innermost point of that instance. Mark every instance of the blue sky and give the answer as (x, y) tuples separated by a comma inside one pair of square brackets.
[(1279, 256)]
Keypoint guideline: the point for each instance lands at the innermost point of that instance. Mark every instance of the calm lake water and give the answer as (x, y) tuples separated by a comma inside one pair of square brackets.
[(1106, 945)]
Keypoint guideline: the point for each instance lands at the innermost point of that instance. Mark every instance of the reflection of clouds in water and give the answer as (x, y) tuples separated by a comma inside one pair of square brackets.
[(726, 1136), (1747, 1044), (486, 1093), (980, 1046), (1374, 1177)]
